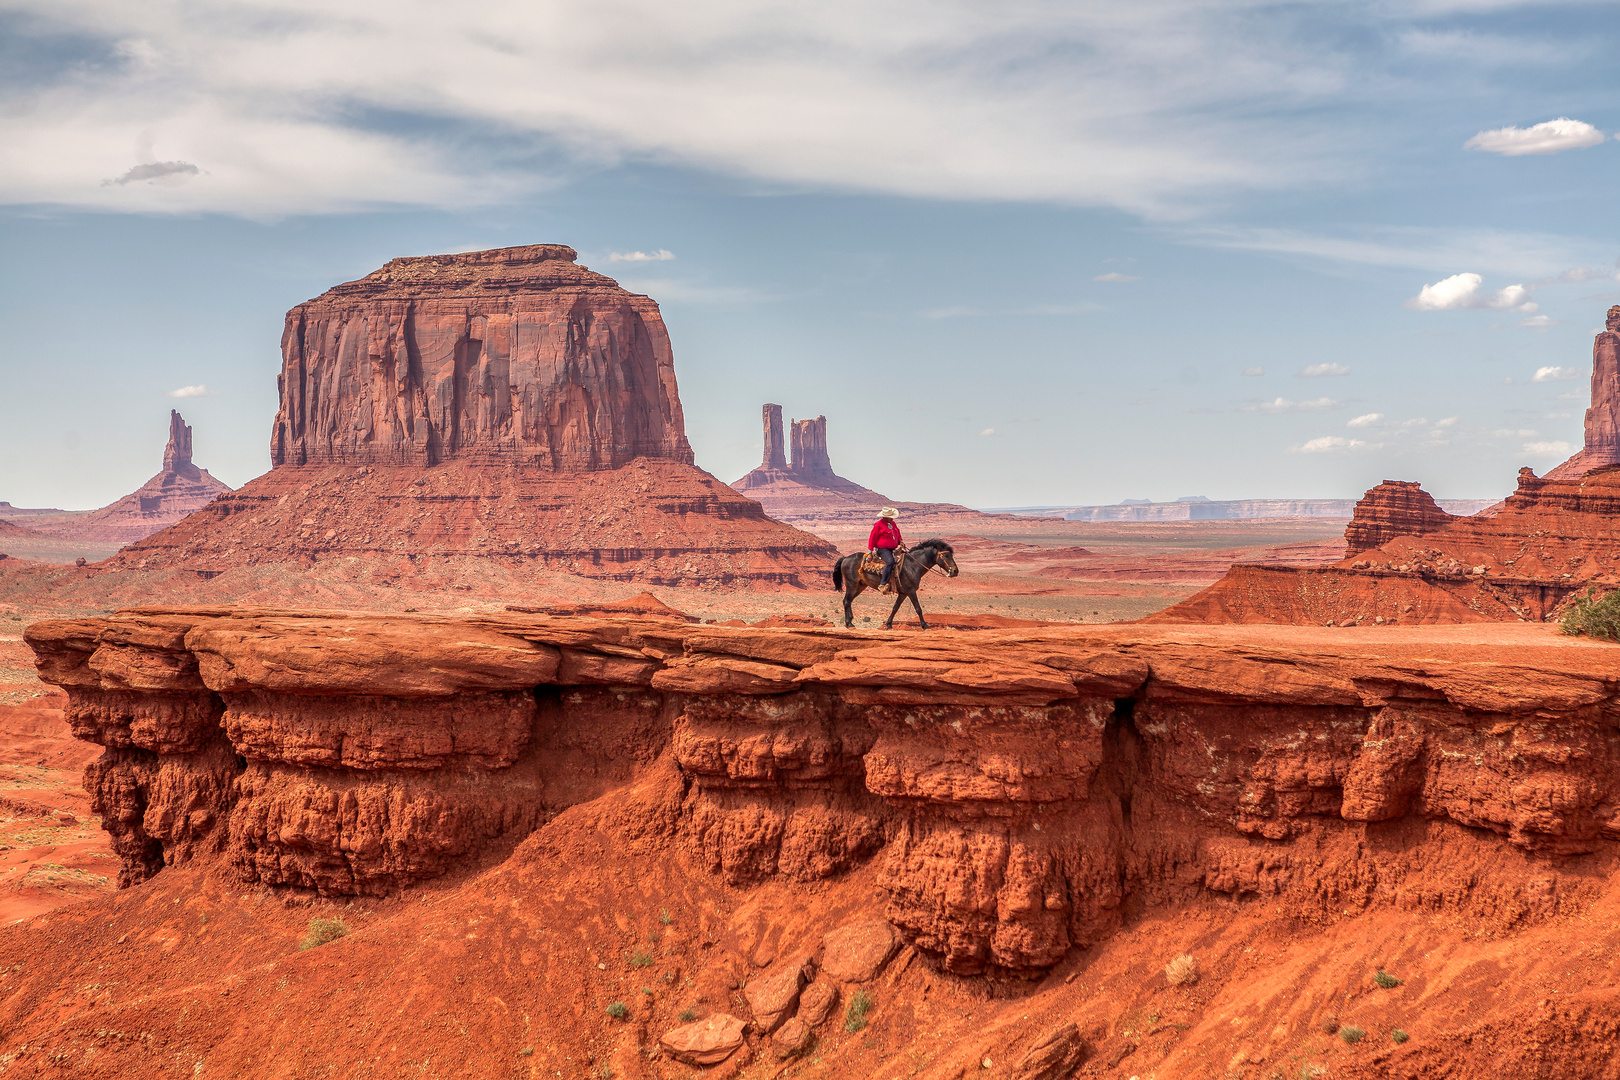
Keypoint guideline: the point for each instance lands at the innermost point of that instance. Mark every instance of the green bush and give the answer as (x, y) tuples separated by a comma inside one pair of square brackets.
[(618, 1010), (687, 1016), (1399, 1036), (322, 931), (1352, 1034), (639, 959), (1385, 980), (1597, 616), (855, 1015)]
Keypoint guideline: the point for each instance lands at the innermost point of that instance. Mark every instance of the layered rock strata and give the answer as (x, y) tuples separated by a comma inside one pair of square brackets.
[(505, 408), (1013, 793), (1392, 509), (1550, 540)]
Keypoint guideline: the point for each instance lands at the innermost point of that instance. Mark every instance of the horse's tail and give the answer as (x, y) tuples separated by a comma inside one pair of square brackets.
[(838, 574)]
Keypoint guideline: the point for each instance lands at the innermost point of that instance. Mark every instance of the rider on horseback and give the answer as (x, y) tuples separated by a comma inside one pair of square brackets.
[(885, 538)]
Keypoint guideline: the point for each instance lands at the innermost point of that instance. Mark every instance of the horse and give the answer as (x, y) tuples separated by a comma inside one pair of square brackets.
[(907, 576)]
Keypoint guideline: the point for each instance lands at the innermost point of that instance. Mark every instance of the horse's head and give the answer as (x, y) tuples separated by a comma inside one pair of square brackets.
[(944, 556)]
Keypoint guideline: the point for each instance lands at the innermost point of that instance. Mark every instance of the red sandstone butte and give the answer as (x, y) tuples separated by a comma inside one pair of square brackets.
[(1393, 508), (1602, 445), (505, 408)]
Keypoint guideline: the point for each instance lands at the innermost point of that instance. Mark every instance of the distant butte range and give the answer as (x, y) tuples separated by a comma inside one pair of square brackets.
[(803, 491)]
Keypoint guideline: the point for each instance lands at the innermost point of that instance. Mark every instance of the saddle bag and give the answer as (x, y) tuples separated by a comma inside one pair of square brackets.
[(872, 563)]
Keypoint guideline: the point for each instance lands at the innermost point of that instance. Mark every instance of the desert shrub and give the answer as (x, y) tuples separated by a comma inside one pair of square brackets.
[(322, 931), (855, 1015), (527, 1051), (1399, 1036), (1182, 971), (687, 1016), (639, 959), (1351, 1034), (1597, 616), (664, 916), (1385, 980), (618, 1010)]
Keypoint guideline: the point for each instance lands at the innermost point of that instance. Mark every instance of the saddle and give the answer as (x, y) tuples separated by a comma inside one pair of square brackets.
[(872, 567)]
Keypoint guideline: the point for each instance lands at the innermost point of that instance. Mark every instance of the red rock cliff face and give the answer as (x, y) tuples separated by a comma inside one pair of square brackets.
[(516, 354), (1014, 792), (1393, 508)]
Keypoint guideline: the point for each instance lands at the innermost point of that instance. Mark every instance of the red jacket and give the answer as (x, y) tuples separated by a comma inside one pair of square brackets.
[(885, 534)]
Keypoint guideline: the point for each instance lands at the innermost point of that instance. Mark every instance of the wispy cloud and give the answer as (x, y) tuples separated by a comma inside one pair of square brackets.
[(1318, 371), (988, 431), (1550, 137), (1253, 371), (1364, 420), (1463, 291), (1556, 374), (157, 172), (1283, 405), (1547, 449), (1117, 277), (200, 390), (661, 255), (1537, 322)]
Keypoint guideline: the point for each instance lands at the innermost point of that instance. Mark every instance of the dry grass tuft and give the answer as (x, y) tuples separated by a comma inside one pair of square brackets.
[(1182, 971)]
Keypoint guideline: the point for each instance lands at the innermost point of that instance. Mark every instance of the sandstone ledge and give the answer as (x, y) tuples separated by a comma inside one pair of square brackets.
[(1011, 788)]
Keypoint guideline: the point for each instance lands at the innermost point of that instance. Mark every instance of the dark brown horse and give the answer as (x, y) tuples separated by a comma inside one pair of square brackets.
[(907, 576)]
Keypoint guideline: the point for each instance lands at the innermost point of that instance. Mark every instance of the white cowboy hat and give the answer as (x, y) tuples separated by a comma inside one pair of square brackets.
[(888, 512)]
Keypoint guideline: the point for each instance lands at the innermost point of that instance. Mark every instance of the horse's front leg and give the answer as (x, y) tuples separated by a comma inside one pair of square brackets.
[(918, 606), (895, 610)]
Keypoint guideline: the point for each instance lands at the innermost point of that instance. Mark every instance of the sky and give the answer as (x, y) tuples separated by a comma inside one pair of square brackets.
[(1021, 253)]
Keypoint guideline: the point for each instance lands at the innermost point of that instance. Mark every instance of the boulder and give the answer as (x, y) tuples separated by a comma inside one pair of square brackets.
[(794, 1038), (704, 1042), (857, 952), (774, 997), (1054, 1056), (816, 1003)]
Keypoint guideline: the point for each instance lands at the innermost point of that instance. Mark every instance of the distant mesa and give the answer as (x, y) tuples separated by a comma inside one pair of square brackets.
[(1198, 508), (482, 415), (1410, 561)]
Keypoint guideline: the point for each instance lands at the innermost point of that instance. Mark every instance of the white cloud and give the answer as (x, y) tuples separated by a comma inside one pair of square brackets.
[(1555, 374), (1550, 137), (988, 431), (1256, 370), (1537, 322), (1328, 443), (1365, 420), (1449, 421), (661, 255), (1317, 371), (1116, 277), (1283, 405), (200, 390), (1463, 291), (1547, 449)]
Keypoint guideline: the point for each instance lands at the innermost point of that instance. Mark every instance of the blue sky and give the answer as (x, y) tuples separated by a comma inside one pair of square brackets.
[(1023, 253)]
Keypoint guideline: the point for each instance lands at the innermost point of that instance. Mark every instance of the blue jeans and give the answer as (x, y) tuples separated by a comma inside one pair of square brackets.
[(887, 555)]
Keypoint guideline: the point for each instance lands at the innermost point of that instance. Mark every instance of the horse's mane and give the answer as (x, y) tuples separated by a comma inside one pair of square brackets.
[(936, 544)]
